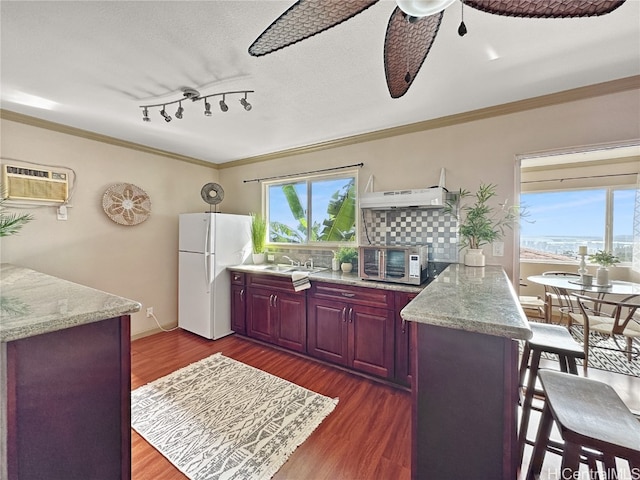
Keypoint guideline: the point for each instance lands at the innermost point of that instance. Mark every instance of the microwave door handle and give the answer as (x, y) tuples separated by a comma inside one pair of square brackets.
[(381, 260)]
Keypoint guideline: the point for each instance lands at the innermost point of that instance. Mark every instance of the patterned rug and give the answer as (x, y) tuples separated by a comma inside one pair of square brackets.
[(222, 419), (606, 358), (603, 353)]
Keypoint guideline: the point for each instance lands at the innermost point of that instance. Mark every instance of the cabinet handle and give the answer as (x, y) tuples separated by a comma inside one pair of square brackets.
[(404, 326), (275, 300), (344, 314), (271, 300), (349, 295), (350, 315), (242, 295)]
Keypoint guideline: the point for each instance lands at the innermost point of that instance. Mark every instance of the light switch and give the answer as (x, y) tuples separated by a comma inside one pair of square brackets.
[(498, 249)]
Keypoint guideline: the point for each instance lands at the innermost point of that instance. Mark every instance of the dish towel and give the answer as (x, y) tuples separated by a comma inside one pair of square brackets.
[(300, 281)]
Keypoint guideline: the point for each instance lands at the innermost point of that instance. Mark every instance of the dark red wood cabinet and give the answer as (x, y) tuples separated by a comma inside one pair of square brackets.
[(403, 340), (238, 308), (68, 403), (352, 326), (275, 312)]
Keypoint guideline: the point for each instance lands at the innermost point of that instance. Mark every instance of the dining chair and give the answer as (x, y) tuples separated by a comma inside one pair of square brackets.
[(529, 303), (559, 298), (613, 318)]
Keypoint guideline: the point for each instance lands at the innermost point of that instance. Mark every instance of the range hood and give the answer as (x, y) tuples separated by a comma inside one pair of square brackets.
[(434, 197)]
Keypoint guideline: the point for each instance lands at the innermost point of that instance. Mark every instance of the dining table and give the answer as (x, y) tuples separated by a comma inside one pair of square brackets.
[(565, 285)]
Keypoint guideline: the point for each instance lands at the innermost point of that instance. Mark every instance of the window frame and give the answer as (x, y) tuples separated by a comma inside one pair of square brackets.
[(309, 179), (608, 222)]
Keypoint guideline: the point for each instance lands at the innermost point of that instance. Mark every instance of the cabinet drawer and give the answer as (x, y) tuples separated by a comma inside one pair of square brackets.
[(237, 278), (360, 295), (272, 282)]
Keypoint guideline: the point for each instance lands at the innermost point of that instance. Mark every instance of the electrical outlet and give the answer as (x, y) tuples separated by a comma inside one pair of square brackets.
[(498, 249), (149, 311), (271, 258), (62, 212)]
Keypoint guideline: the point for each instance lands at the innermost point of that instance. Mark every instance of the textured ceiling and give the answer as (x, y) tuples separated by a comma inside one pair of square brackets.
[(95, 62)]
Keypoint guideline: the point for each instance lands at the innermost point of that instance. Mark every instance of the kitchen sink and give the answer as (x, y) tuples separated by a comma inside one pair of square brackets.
[(283, 268)]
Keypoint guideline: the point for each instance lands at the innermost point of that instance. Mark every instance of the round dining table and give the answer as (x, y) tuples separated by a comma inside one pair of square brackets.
[(616, 287)]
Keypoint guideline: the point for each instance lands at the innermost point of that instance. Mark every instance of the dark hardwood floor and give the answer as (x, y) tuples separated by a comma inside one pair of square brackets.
[(367, 436)]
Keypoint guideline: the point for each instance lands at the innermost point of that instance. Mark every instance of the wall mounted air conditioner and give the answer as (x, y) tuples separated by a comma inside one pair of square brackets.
[(38, 184), (433, 197)]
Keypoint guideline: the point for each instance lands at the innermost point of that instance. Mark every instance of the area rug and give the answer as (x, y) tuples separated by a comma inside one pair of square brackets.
[(222, 419), (607, 358)]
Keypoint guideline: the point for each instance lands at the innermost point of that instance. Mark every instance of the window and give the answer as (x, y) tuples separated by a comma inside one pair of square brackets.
[(559, 222), (317, 210)]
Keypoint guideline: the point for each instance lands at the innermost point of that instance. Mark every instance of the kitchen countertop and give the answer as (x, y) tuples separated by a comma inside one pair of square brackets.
[(474, 299), (328, 275), (33, 303)]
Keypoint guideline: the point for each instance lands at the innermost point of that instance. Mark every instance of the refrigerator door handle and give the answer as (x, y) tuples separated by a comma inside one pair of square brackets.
[(207, 236)]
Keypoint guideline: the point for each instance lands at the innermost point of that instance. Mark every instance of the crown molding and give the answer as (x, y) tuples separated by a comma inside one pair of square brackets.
[(78, 132), (581, 93)]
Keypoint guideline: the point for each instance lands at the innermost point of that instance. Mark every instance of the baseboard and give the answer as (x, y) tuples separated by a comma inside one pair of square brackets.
[(146, 333)]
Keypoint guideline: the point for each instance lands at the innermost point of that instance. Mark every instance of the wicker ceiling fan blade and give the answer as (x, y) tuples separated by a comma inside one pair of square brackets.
[(545, 9), (304, 19), (406, 45)]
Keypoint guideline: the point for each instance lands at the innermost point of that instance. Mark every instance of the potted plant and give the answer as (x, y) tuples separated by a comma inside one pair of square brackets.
[(258, 237), (11, 223), (346, 256), (480, 223), (605, 260)]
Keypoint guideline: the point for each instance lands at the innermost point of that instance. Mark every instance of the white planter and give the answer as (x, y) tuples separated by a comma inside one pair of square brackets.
[(258, 258), (602, 276), (474, 257), (346, 267)]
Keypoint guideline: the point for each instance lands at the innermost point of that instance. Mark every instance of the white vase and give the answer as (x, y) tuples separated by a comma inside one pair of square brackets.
[(258, 258), (602, 276), (346, 267), (474, 257)]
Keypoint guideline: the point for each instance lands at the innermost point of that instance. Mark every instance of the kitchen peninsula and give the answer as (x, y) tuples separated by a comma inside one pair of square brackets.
[(65, 375), (465, 375)]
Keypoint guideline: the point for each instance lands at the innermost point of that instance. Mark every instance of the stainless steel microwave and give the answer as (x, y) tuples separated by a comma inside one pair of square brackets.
[(398, 264)]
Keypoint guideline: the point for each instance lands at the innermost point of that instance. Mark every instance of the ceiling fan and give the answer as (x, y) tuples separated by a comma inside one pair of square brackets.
[(412, 27)]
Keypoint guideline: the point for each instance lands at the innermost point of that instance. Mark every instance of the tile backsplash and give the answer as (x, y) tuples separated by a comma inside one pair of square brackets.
[(412, 226)]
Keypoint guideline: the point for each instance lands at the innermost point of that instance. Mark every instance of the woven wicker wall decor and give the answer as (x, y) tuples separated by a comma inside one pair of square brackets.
[(126, 204)]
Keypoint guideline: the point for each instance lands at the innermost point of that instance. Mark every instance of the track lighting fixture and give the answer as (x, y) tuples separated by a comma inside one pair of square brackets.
[(223, 106), (167, 117), (244, 103), (194, 96)]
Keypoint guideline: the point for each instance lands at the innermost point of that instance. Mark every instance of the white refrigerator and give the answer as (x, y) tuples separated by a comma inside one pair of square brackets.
[(208, 244)]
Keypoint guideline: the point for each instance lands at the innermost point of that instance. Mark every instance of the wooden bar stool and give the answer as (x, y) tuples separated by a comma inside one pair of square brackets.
[(589, 415), (546, 338)]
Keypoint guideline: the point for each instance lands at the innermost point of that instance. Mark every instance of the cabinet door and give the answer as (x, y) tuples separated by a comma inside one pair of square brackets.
[(259, 314), (371, 346), (238, 309), (291, 324), (403, 345), (328, 332)]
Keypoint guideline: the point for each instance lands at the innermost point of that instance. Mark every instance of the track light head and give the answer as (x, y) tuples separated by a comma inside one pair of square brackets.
[(167, 117), (207, 108), (245, 104), (223, 106), (179, 111), (145, 115)]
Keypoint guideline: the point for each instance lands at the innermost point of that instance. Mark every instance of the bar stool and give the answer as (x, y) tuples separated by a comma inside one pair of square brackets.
[(589, 415), (546, 338)]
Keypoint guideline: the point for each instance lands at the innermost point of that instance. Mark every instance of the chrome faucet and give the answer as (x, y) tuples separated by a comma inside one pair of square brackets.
[(293, 262), (310, 262)]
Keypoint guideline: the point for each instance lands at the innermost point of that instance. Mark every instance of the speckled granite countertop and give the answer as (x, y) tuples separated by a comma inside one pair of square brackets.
[(328, 275), (33, 303), (475, 299)]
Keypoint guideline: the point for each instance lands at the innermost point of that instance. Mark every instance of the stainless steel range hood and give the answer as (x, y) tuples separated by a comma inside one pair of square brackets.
[(434, 197)]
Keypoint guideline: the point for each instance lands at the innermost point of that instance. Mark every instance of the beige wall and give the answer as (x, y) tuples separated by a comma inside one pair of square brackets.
[(474, 152), (138, 262), (141, 262)]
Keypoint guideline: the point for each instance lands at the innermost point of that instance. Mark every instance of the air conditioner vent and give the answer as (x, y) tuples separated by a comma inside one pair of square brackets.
[(34, 184)]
